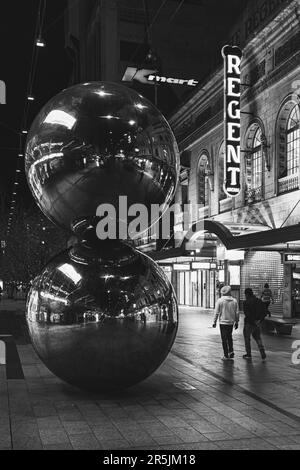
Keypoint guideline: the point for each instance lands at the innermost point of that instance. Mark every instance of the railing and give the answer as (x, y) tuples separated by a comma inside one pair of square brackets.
[(254, 195), (288, 183)]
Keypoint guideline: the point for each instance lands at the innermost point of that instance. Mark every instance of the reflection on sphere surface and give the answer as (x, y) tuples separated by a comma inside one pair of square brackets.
[(95, 142), (102, 318)]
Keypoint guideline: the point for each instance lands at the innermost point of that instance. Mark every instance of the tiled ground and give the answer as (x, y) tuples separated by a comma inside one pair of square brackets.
[(194, 401)]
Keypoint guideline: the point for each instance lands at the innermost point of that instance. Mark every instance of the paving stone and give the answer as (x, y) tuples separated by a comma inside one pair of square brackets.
[(115, 444), (26, 442), (107, 433), (49, 422), (245, 444), (84, 442), (63, 446), (189, 435), (76, 427), (139, 438), (203, 426), (167, 440), (217, 436), (53, 436), (172, 422), (41, 411), (5, 440)]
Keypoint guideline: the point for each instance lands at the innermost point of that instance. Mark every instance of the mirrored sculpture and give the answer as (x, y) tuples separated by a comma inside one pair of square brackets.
[(102, 322), (101, 315), (95, 142)]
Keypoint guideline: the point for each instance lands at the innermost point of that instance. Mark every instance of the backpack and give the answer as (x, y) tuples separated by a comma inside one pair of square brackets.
[(261, 311)]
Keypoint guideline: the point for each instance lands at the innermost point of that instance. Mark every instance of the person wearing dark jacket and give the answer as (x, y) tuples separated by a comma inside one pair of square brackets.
[(252, 324)]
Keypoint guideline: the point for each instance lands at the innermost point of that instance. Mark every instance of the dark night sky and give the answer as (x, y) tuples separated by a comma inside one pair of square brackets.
[(17, 33)]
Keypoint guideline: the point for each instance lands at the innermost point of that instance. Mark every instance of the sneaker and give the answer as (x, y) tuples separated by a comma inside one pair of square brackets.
[(231, 355), (263, 356), (224, 358), (247, 356)]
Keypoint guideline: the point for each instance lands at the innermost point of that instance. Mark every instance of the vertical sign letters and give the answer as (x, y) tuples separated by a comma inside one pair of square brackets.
[(232, 119)]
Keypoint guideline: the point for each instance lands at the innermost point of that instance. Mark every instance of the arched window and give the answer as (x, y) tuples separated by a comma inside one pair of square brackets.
[(254, 164), (288, 145), (222, 194), (256, 176), (293, 142), (202, 180)]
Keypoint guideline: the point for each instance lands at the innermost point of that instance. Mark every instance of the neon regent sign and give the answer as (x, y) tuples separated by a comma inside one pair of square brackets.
[(232, 119)]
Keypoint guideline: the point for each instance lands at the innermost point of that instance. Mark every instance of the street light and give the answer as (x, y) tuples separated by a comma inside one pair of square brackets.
[(40, 42)]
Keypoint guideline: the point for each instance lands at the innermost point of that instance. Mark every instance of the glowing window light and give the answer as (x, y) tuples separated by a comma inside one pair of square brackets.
[(60, 118), (46, 295), (70, 272)]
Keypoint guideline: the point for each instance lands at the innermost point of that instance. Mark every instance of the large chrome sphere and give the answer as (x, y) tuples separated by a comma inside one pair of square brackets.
[(102, 318), (95, 142)]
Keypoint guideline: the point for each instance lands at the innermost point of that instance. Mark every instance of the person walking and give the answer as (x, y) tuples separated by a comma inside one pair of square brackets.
[(254, 311), (227, 312), (266, 297)]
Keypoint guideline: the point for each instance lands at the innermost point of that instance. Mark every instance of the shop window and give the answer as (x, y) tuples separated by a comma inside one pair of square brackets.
[(254, 164), (288, 147), (203, 184)]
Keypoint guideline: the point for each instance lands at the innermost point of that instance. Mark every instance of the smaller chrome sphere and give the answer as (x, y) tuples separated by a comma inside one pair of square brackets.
[(102, 317)]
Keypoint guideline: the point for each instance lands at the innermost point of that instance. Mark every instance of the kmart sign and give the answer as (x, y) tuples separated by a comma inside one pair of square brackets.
[(150, 77)]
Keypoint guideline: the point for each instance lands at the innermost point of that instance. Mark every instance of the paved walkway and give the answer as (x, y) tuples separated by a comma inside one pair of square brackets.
[(194, 401)]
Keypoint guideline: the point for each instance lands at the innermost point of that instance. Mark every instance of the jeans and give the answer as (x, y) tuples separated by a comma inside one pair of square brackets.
[(267, 304), (254, 331), (226, 336)]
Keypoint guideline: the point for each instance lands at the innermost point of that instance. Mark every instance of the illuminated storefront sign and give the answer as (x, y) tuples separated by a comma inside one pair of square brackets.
[(232, 119), (167, 269), (201, 265), (149, 77), (182, 267), (291, 258)]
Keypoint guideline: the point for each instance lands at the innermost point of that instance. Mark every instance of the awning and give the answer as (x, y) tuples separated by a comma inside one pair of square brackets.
[(261, 238)]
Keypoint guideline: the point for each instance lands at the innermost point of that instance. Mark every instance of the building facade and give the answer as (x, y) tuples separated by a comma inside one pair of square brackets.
[(249, 239), (269, 202)]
